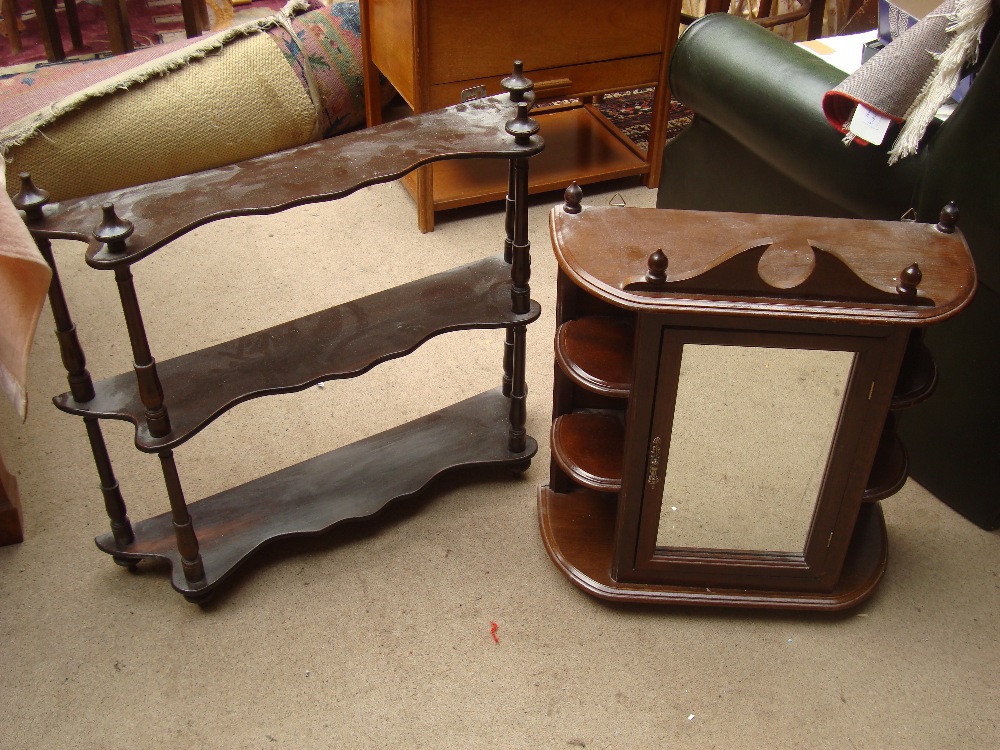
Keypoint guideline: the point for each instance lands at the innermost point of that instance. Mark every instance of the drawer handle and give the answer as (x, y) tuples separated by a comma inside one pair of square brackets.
[(556, 84)]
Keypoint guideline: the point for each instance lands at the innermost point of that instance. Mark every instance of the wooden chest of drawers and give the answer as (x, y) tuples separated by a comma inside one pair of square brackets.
[(432, 51)]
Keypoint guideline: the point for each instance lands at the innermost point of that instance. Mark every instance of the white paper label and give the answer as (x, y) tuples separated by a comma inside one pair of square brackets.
[(869, 125)]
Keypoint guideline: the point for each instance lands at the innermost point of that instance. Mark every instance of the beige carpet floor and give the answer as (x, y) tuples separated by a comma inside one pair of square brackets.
[(378, 635)]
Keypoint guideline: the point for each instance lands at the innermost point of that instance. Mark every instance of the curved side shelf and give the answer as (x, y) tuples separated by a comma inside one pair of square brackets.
[(917, 378), (596, 354), (891, 465), (321, 171), (341, 342), (589, 446), (318, 494)]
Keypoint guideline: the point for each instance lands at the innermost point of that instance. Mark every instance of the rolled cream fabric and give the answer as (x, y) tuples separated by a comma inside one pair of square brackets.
[(912, 77)]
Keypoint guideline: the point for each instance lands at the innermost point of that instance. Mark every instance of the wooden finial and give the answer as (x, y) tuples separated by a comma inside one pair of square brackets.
[(657, 264), (522, 127), (517, 84), (30, 199), (573, 196), (113, 230), (910, 277), (948, 219)]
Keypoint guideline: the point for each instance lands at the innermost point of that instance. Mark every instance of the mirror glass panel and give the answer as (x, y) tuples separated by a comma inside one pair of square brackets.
[(752, 433)]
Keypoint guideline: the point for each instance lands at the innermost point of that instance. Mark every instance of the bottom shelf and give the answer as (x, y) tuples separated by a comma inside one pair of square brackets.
[(578, 532), (352, 482)]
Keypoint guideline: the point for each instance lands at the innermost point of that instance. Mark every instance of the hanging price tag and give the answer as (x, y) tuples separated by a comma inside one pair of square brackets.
[(869, 125)]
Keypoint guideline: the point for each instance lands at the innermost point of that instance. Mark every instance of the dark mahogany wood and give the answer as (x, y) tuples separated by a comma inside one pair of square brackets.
[(695, 243), (588, 447), (917, 376), (679, 278), (322, 171), (340, 342), (596, 353), (169, 402), (577, 529), (891, 466), (316, 495), (32, 202)]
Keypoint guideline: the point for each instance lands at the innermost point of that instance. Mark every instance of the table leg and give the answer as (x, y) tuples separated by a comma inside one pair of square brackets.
[(73, 21), (48, 26), (119, 31), (11, 19), (194, 12)]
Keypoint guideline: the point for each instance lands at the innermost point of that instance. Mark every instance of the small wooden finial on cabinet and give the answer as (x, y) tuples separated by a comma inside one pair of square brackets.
[(574, 199), (948, 219), (908, 281), (657, 265)]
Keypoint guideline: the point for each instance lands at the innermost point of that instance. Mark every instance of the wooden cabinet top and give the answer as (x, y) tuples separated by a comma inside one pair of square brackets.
[(456, 40), (783, 266)]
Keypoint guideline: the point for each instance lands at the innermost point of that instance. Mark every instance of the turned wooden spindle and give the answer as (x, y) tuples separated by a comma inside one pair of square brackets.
[(508, 256), (30, 199), (573, 198), (522, 127), (518, 85), (948, 219), (657, 265), (520, 294), (114, 503), (518, 414), (113, 230), (187, 541), (909, 278), (150, 389)]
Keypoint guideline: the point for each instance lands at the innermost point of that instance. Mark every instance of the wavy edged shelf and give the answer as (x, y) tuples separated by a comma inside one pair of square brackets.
[(577, 529), (588, 446), (316, 495), (596, 353), (341, 342), (316, 172)]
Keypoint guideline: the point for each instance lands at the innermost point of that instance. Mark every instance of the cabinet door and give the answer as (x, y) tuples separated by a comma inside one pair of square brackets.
[(470, 39), (748, 453)]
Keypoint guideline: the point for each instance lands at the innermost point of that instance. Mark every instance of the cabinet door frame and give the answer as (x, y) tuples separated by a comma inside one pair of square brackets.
[(659, 340)]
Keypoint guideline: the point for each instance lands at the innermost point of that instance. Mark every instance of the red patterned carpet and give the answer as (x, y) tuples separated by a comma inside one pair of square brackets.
[(152, 22)]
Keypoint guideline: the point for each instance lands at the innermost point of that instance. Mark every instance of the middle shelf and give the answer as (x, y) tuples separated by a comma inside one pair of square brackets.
[(340, 342)]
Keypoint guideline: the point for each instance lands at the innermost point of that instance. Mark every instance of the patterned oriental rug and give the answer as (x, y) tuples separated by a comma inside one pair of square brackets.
[(631, 112), (152, 22)]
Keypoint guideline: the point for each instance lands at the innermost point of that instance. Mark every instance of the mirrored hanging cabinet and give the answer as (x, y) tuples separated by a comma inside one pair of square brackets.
[(725, 399)]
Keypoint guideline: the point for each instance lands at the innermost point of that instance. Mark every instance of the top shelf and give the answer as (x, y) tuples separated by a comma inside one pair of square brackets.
[(321, 171), (595, 352), (341, 342)]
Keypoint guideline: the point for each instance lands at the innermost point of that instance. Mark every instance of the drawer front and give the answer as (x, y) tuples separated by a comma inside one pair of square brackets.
[(471, 39), (564, 82)]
